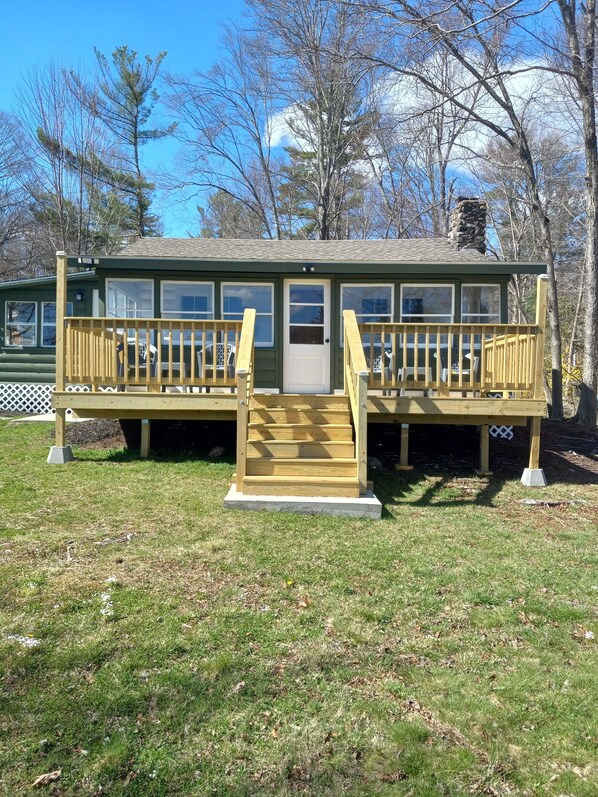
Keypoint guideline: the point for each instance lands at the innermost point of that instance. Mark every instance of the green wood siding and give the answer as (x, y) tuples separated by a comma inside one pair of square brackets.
[(36, 364), (33, 364), (27, 366)]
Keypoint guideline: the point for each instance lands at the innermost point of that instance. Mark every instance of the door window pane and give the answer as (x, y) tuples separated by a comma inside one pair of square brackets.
[(21, 324), (238, 297), (310, 314), (480, 304), (313, 336), (306, 294)]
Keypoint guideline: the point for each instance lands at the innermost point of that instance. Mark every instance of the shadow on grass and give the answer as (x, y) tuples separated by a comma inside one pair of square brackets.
[(432, 489), (444, 458), (132, 455)]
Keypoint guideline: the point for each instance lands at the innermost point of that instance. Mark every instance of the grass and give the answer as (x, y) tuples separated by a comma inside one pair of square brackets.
[(183, 650)]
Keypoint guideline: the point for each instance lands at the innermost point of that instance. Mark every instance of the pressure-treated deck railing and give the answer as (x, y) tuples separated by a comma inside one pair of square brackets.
[(152, 352), (356, 375), (245, 383), (481, 358)]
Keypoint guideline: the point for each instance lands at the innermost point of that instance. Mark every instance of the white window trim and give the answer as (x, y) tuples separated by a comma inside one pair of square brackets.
[(365, 285), (450, 285), (270, 285), (482, 315), (127, 279), (185, 314), (42, 325), (8, 323)]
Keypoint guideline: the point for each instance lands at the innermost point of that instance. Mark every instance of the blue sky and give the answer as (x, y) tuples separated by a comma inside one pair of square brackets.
[(38, 32)]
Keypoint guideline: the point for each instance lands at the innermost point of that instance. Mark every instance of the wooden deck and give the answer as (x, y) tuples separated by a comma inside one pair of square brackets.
[(153, 369), (223, 406)]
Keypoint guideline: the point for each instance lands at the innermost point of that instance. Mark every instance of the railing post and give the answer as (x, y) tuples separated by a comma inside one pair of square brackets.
[(242, 419), (356, 377), (61, 268), (245, 378), (361, 431), (541, 299), (59, 452), (533, 475)]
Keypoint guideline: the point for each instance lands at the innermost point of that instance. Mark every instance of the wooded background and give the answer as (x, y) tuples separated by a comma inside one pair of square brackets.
[(335, 119)]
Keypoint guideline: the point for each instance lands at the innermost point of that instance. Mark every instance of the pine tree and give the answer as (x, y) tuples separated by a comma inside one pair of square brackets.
[(124, 99)]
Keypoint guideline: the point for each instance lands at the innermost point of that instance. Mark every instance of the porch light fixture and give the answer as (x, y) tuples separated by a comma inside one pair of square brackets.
[(79, 295), (308, 269), (88, 261)]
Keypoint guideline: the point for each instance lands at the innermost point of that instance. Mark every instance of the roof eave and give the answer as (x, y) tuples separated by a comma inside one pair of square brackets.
[(485, 266)]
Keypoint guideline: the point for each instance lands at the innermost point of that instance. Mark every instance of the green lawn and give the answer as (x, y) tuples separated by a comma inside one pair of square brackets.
[(153, 644)]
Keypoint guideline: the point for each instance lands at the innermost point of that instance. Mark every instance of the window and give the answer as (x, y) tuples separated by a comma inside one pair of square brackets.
[(480, 304), (192, 300), (21, 324), (372, 303), (427, 304), (49, 322), (129, 298), (237, 297)]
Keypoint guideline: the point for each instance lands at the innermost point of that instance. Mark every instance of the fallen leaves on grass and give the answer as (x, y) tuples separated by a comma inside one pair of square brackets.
[(113, 540), (47, 778)]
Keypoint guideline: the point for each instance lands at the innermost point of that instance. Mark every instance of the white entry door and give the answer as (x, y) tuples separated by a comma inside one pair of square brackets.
[(306, 366)]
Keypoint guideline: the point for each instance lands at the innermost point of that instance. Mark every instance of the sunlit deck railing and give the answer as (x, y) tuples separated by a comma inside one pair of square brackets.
[(152, 352), (477, 358), (355, 378)]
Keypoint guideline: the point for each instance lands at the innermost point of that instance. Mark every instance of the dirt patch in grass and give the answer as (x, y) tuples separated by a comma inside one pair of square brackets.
[(96, 433)]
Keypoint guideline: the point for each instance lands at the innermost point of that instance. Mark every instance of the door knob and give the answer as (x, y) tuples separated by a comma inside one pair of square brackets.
[(327, 340)]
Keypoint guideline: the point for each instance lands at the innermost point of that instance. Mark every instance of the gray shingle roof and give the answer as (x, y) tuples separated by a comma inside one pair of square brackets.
[(406, 250)]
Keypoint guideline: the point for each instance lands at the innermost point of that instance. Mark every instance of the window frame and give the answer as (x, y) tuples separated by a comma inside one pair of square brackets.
[(271, 315), (35, 324), (344, 285), (496, 285), (129, 279), (186, 314), (450, 285)]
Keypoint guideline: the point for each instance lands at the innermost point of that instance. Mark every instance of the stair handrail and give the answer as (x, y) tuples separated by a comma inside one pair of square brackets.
[(245, 383), (356, 375)]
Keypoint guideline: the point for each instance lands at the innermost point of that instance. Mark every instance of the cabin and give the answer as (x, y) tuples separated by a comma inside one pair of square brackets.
[(302, 343), (28, 336)]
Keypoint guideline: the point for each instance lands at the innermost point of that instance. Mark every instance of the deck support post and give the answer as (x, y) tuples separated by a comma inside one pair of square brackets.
[(59, 452), (533, 475), (145, 438), (484, 469), (404, 458)]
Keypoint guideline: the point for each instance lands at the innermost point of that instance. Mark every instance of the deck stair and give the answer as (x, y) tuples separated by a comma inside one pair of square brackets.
[(300, 445)]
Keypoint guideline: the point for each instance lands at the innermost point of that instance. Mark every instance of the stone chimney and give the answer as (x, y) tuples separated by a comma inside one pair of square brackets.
[(467, 225)]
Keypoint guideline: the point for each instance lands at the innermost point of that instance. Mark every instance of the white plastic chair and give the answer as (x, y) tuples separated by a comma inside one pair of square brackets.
[(225, 354), (138, 351)]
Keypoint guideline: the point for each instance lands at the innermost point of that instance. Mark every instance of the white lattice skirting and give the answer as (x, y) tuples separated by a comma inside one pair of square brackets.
[(33, 398)]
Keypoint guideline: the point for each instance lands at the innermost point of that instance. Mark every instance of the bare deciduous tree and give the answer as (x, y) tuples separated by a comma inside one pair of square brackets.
[(576, 62), (482, 38)]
